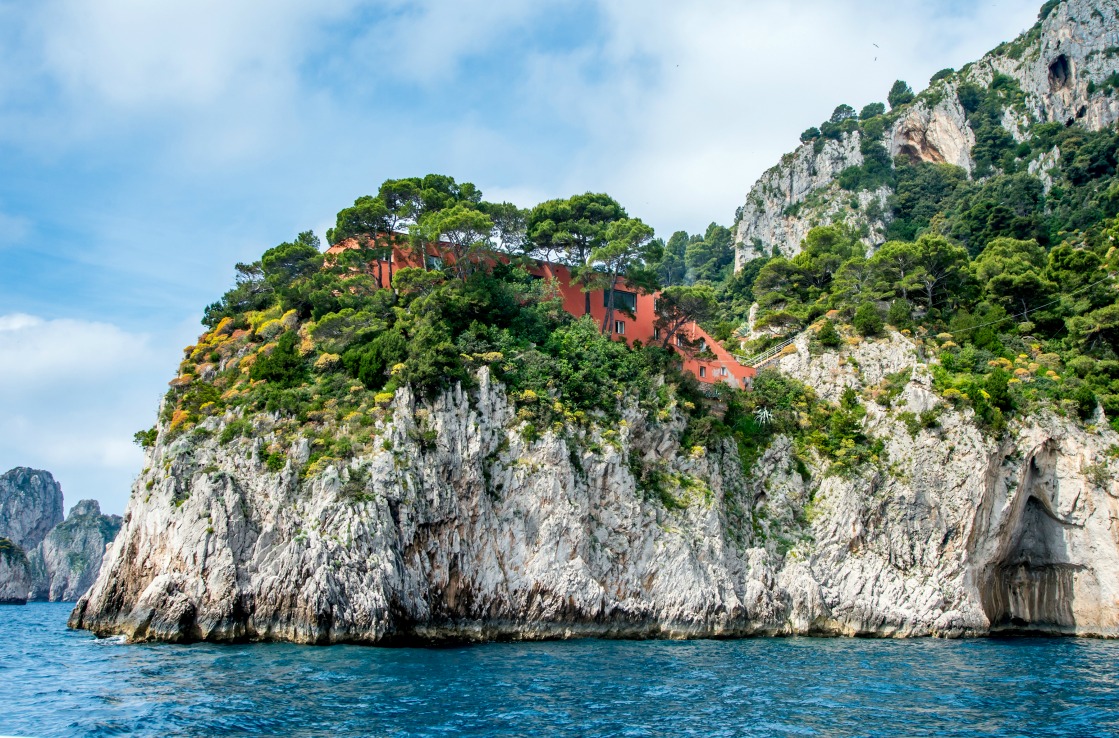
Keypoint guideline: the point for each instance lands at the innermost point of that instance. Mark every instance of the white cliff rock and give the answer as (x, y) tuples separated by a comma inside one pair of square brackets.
[(480, 534)]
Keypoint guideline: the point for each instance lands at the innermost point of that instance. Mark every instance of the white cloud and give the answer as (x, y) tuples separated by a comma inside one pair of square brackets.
[(178, 52), (73, 393), (686, 104), (35, 352)]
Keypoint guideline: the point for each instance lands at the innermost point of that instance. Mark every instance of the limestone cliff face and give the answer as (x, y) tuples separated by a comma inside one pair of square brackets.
[(66, 563), (1060, 65), (779, 211), (15, 576), (460, 528), (46, 557), (30, 505), (961, 532)]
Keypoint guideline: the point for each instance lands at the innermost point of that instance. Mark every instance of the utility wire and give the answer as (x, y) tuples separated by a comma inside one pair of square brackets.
[(1033, 310)]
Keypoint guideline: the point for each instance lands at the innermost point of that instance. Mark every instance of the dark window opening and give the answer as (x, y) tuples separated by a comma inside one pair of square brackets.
[(623, 300)]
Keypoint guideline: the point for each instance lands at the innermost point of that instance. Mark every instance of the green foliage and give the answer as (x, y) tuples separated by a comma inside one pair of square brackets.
[(942, 74), (900, 94), (867, 320), (283, 366), (828, 336), (871, 110), (994, 146), (810, 134), (234, 429), (145, 438), (900, 314), (1048, 7), (875, 171), (922, 190), (842, 113), (569, 230), (11, 552)]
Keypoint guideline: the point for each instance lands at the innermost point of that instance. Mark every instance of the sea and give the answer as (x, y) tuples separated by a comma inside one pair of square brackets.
[(59, 682)]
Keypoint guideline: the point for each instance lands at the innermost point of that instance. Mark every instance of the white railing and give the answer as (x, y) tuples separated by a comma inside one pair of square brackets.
[(768, 355)]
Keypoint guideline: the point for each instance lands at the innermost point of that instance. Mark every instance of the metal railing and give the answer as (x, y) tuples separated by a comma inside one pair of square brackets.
[(768, 355)]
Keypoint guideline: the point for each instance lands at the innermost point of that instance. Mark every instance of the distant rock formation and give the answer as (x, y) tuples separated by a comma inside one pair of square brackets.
[(15, 578), (42, 555), (30, 506), (66, 563)]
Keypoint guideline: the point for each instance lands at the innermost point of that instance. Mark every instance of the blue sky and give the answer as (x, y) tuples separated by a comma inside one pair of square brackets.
[(148, 146)]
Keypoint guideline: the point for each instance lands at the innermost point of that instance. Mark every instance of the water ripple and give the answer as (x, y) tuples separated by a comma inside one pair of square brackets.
[(55, 682)]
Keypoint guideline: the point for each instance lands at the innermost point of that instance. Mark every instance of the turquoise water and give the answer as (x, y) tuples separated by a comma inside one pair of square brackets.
[(55, 682)]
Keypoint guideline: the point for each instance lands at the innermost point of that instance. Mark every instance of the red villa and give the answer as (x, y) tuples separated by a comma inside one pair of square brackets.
[(634, 315)]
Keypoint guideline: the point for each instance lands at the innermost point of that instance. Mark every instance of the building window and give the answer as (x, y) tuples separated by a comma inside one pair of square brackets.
[(620, 327), (723, 371), (656, 334), (623, 300), (656, 304), (702, 345), (434, 263), (703, 371), (679, 340)]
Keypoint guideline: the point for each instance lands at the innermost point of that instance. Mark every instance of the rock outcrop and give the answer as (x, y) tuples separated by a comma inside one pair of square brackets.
[(15, 576), (66, 563), (461, 528), (30, 505), (46, 556), (1062, 66)]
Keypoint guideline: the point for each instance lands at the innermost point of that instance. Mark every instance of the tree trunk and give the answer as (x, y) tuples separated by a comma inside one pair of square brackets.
[(607, 322)]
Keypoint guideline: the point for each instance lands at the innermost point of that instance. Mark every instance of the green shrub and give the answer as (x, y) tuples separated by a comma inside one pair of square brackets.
[(867, 320), (828, 335), (283, 366)]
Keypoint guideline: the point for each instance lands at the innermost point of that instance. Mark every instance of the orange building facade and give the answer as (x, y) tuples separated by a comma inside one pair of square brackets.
[(634, 315)]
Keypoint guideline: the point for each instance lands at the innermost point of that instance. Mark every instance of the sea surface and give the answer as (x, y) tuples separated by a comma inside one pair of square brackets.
[(57, 682)]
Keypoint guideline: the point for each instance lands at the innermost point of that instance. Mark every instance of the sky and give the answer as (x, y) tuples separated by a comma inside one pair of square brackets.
[(146, 147)]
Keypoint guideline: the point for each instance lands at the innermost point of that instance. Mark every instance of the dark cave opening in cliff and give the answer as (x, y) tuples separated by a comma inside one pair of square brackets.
[(1031, 585), (1060, 72)]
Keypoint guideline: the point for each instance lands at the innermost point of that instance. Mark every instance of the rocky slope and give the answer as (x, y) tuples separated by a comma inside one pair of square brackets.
[(1062, 66), (46, 556), (460, 528)]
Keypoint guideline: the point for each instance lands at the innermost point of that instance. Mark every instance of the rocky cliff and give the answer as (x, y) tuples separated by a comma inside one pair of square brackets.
[(1065, 69), (66, 563), (15, 576), (459, 527), (46, 556), (30, 505)]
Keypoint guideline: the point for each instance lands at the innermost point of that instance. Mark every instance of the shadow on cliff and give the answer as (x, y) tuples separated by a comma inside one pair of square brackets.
[(1030, 585)]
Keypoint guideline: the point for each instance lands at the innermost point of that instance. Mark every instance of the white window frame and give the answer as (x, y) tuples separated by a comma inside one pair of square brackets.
[(620, 327), (702, 372)]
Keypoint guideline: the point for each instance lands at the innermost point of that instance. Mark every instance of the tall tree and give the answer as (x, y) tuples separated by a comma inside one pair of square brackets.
[(464, 230), (1011, 273), (941, 268), (900, 94), (509, 224), (679, 306), (626, 250), (367, 222), (569, 230)]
